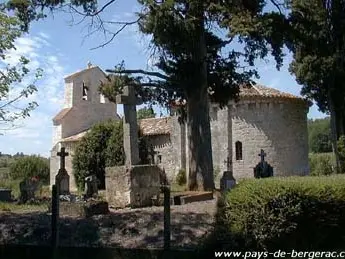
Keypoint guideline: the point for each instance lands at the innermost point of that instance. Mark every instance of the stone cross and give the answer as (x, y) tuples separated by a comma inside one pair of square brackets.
[(130, 127), (62, 178), (228, 163), (262, 155), (62, 154)]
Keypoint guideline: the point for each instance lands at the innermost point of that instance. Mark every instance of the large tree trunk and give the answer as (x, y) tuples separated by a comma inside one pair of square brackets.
[(200, 175)]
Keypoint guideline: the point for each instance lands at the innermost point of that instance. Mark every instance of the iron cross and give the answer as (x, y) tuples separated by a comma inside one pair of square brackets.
[(262, 155), (62, 154), (152, 153), (228, 163)]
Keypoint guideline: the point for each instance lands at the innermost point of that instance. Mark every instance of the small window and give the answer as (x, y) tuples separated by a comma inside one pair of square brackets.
[(238, 147), (84, 91)]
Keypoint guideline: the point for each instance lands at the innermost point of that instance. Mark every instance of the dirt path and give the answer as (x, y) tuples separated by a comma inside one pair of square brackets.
[(129, 228)]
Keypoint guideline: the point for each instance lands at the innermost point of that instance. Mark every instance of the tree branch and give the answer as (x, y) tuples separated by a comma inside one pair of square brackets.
[(138, 71)]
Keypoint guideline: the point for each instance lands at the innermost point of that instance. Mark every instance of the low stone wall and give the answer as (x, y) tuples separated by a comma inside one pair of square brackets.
[(133, 186)]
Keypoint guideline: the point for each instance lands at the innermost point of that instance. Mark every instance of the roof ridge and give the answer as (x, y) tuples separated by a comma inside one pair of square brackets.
[(254, 86)]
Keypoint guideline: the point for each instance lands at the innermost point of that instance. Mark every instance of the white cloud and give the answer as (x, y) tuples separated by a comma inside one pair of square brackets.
[(33, 134)]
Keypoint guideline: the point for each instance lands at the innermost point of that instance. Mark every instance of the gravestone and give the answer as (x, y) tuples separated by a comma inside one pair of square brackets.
[(263, 169), (28, 188), (91, 186), (5, 194), (131, 185), (227, 181), (62, 178)]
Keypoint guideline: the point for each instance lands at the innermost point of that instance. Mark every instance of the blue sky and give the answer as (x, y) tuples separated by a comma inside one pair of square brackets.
[(60, 48)]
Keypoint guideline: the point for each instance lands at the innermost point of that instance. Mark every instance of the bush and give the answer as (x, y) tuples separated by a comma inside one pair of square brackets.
[(93, 150), (101, 147), (181, 178), (30, 166), (321, 164), (301, 213)]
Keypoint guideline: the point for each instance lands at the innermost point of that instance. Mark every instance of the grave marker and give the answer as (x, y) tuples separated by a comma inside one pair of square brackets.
[(130, 127), (62, 178)]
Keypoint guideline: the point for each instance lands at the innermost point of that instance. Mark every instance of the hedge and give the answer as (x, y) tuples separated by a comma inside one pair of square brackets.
[(305, 213)]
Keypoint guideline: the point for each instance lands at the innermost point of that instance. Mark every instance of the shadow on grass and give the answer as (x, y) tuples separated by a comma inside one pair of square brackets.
[(28, 235)]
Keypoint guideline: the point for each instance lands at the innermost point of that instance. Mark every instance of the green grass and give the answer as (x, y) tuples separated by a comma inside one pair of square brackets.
[(22, 208)]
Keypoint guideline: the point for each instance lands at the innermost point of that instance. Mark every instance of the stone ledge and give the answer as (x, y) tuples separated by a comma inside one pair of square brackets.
[(83, 209)]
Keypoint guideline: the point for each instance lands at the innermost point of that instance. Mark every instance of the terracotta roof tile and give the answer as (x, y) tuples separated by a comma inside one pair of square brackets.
[(155, 126), (57, 119), (264, 91)]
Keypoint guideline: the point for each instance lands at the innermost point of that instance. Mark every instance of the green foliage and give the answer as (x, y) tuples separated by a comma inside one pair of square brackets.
[(181, 178), (321, 164), (92, 152), (145, 113), (285, 213), (13, 107), (101, 147), (30, 166), (319, 134)]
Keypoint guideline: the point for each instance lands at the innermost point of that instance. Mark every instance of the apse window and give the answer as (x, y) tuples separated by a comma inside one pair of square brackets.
[(238, 147)]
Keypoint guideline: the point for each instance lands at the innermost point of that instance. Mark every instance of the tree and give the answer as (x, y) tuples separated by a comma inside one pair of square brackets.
[(319, 134), (30, 166), (11, 77), (145, 113), (191, 64), (317, 41)]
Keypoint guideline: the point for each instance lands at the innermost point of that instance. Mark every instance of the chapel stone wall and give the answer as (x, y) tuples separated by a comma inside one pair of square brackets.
[(170, 149), (279, 128)]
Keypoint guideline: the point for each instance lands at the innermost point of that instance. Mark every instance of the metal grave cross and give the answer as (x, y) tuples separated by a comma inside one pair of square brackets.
[(262, 155), (152, 154), (228, 163), (62, 154)]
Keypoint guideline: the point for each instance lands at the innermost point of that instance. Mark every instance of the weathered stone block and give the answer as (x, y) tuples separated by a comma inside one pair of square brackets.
[(133, 186), (83, 209)]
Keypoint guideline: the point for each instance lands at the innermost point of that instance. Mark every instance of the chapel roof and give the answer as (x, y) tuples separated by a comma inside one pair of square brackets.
[(89, 67), (148, 127), (58, 117), (155, 126), (75, 137), (264, 91)]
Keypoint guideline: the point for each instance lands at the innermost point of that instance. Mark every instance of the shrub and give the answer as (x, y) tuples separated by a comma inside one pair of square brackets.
[(301, 213), (101, 147), (181, 178), (321, 164), (92, 152), (30, 166)]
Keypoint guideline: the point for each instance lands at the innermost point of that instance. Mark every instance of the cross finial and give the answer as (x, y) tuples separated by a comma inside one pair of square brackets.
[(62, 154), (228, 163), (262, 155)]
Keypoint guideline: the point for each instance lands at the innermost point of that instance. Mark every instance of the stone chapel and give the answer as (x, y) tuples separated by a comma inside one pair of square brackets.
[(263, 118)]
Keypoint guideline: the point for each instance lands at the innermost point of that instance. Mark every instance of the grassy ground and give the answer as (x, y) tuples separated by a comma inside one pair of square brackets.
[(22, 208)]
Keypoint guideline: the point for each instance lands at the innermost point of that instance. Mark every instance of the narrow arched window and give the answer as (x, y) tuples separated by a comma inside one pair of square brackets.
[(238, 149)]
